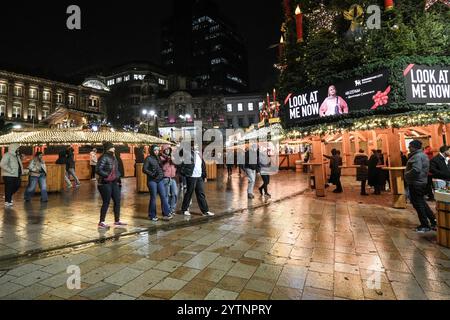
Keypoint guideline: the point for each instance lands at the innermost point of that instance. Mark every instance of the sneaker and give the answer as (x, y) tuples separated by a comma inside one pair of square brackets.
[(155, 219), (433, 225), (78, 185), (8, 204), (103, 225), (187, 213), (93, 179), (250, 196), (69, 186), (120, 224), (422, 229), (268, 195), (208, 214), (167, 218)]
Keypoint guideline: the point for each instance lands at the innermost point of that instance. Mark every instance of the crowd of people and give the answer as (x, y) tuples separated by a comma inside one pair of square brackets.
[(422, 170)]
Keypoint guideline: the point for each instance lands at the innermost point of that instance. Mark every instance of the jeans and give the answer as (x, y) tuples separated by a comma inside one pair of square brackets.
[(417, 197), (108, 191), (31, 188), (93, 172), (338, 184), (155, 188), (251, 174), (197, 185), (71, 172), (230, 169), (171, 193), (12, 185), (266, 181)]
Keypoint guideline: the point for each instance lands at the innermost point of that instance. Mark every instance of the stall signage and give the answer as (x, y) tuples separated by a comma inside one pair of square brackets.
[(367, 92), (426, 84)]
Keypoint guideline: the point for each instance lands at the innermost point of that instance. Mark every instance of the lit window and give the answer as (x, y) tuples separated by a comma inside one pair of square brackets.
[(2, 108), (59, 98), (240, 107), (31, 112), (119, 80), (229, 107), (2, 88), (17, 110), (46, 96), (33, 94), (110, 82), (126, 78), (18, 91), (45, 113), (219, 60), (71, 100), (250, 106), (162, 82), (138, 77)]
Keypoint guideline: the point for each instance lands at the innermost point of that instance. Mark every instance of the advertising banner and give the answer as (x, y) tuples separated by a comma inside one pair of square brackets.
[(363, 93), (427, 84)]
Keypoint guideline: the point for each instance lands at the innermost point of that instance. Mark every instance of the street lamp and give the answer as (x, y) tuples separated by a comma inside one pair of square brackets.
[(147, 114), (185, 118)]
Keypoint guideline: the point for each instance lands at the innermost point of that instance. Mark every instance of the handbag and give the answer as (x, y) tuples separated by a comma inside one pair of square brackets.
[(112, 175)]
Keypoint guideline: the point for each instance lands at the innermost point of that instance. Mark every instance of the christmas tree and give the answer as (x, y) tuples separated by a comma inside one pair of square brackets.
[(342, 35)]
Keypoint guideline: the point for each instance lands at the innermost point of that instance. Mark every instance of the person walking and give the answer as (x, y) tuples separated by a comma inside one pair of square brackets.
[(430, 192), (251, 167), (195, 172), (265, 172), (362, 172), (416, 176), (12, 169), (375, 174), (37, 175), (155, 183), (170, 174), (70, 168), (335, 175), (108, 185), (93, 162)]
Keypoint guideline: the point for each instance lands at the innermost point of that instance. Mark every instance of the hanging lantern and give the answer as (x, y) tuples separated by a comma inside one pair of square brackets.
[(388, 5), (299, 22)]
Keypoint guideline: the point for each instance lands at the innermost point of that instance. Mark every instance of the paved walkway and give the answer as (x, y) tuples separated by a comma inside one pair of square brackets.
[(301, 248), (71, 218)]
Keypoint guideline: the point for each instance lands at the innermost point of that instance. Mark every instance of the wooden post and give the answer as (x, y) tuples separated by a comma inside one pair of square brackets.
[(436, 141), (396, 174), (356, 142), (372, 141), (403, 146), (318, 168), (346, 148)]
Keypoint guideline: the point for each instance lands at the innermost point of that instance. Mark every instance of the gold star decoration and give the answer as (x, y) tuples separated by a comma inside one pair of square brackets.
[(429, 3)]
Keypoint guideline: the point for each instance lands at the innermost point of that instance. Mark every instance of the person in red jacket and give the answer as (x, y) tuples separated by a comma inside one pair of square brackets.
[(430, 193), (170, 173)]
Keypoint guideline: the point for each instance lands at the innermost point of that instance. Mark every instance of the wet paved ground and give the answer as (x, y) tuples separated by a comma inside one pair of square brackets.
[(301, 248), (71, 217)]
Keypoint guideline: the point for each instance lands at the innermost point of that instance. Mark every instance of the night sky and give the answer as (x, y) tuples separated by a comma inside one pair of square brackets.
[(34, 35)]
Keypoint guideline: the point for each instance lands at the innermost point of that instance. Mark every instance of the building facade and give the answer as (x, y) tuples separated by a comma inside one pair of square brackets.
[(242, 110), (27, 99), (211, 51), (130, 85)]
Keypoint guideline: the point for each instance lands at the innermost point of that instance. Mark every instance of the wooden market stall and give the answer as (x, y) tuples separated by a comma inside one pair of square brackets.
[(50, 142)]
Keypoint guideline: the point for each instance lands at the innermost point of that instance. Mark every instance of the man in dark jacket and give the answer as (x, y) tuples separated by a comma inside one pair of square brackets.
[(70, 168), (194, 169), (155, 184), (439, 165), (362, 160), (251, 167), (416, 176)]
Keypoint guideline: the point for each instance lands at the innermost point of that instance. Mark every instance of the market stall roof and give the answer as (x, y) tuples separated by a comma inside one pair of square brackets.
[(42, 137), (263, 133)]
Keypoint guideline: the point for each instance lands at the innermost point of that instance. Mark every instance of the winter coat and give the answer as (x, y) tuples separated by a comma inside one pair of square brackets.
[(152, 169), (335, 163), (187, 169), (249, 159), (439, 168), (362, 172), (35, 167), (417, 168), (169, 168), (11, 163), (264, 162), (105, 165), (70, 163), (375, 175)]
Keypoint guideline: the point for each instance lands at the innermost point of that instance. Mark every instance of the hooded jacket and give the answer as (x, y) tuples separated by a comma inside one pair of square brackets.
[(152, 167), (105, 165), (36, 166), (11, 164), (168, 167)]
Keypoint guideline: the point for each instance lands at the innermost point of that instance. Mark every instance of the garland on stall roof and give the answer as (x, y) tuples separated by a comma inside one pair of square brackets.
[(409, 119)]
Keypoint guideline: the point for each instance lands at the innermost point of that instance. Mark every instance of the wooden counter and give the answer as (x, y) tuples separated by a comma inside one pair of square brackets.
[(141, 179), (55, 178), (443, 218), (396, 175)]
